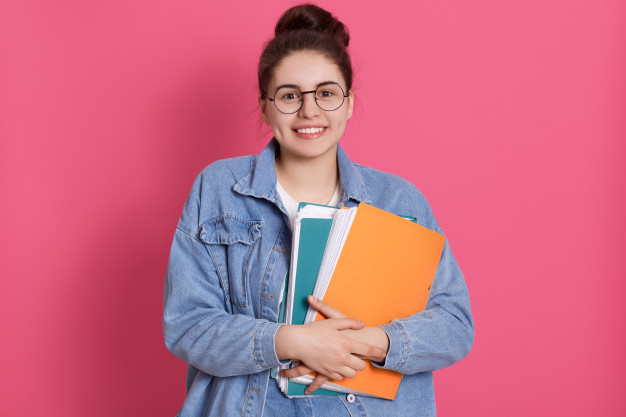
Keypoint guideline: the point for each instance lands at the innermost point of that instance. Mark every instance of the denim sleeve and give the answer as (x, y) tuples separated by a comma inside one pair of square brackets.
[(197, 323), (441, 334)]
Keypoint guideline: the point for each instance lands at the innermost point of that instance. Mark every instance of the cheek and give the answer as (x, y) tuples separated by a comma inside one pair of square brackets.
[(280, 125), (278, 132), (341, 118)]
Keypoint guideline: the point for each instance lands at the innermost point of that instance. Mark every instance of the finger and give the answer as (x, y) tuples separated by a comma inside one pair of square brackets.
[(317, 383), (367, 351), (371, 358), (348, 372), (326, 310), (346, 323), (357, 364), (336, 376), (296, 371)]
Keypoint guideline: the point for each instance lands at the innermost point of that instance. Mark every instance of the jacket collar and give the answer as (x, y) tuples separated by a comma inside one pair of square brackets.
[(261, 180)]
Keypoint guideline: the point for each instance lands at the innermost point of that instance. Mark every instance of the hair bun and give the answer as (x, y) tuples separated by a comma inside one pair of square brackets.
[(314, 18)]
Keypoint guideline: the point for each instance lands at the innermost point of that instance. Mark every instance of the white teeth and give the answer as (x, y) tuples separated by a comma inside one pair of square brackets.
[(310, 130)]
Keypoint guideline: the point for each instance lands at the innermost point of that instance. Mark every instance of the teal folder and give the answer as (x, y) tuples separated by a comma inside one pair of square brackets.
[(313, 237)]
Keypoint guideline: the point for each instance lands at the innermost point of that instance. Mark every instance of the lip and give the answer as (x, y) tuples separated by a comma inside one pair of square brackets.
[(310, 136)]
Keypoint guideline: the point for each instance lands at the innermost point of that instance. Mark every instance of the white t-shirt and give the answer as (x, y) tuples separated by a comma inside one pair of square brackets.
[(291, 205)]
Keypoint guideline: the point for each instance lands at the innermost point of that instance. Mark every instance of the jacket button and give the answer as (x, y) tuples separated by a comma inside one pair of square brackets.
[(351, 398)]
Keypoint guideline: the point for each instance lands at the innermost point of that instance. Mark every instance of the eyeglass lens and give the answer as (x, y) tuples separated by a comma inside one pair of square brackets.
[(328, 97)]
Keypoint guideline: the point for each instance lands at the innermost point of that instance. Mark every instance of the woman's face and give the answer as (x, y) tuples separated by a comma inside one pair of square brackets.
[(307, 70)]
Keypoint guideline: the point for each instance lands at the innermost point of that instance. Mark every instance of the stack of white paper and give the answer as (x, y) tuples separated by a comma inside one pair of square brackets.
[(336, 239)]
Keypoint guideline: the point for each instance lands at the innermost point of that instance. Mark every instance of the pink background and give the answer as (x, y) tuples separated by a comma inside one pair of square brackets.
[(508, 115)]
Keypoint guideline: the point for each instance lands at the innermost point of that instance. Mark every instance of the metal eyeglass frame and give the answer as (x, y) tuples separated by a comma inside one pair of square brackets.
[(308, 92)]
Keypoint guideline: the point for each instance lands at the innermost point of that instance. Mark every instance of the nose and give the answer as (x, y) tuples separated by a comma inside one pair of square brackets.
[(309, 106)]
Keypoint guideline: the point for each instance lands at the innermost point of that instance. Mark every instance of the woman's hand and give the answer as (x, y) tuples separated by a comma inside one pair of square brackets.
[(372, 335), (367, 333), (323, 348)]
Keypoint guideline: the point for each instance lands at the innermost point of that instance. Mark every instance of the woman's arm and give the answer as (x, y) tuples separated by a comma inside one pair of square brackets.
[(199, 330), (196, 325)]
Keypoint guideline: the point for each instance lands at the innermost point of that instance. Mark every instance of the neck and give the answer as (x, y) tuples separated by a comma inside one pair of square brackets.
[(313, 180)]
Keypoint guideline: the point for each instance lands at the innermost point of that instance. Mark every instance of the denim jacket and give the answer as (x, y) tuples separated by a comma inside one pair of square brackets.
[(227, 266)]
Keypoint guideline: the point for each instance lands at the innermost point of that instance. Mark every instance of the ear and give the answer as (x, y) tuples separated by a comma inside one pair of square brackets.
[(350, 102), (263, 107)]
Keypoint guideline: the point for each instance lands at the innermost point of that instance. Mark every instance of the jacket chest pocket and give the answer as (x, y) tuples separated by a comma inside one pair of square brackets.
[(231, 242)]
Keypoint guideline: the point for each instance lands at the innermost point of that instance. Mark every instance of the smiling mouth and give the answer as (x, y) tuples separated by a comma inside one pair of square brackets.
[(311, 130)]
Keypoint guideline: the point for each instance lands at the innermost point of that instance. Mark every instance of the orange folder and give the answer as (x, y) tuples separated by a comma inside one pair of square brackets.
[(384, 272)]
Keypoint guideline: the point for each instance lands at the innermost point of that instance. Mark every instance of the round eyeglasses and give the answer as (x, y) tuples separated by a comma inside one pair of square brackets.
[(288, 99)]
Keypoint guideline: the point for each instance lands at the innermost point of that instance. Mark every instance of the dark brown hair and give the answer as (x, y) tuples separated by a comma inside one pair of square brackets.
[(306, 27)]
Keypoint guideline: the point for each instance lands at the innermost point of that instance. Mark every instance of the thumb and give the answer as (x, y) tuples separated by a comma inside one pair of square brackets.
[(326, 310)]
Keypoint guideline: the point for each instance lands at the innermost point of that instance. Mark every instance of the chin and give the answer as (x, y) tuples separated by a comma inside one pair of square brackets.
[(308, 150)]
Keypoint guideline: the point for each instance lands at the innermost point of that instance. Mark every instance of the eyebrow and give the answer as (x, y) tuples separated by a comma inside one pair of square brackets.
[(295, 86)]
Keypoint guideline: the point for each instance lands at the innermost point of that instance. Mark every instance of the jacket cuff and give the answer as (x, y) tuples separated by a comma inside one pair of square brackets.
[(397, 354), (264, 350)]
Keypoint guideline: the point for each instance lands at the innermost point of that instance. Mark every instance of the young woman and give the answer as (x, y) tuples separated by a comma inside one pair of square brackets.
[(230, 253)]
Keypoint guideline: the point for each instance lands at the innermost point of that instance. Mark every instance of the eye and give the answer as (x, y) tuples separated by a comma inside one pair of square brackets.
[(288, 95), (325, 93)]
